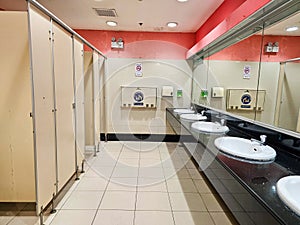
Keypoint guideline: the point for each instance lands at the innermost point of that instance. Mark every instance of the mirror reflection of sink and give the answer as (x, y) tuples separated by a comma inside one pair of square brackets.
[(288, 191), (181, 111), (209, 127), (193, 117), (291, 143), (245, 149)]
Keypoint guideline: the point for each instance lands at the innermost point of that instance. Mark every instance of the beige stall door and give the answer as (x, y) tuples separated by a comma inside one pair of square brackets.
[(79, 96), (16, 140), (40, 26), (64, 95)]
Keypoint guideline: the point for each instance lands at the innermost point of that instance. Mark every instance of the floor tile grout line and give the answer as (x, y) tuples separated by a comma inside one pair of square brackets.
[(17, 213), (136, 188), (169, 197), (98, 208)]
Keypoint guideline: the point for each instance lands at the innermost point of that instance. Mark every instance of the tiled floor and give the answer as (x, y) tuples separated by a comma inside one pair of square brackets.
[(138, 183)]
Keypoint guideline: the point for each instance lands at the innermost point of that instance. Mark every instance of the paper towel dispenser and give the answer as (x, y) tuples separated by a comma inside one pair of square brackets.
[(167, 91), (217, 92)]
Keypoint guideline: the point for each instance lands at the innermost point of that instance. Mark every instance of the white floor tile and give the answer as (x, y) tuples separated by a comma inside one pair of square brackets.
[(129, 162), (5, 219), (123, 171), (153, 201), (21, 220), (150, 146), (211, 203), (154, 154), (195, 174), (220, 218), (105, 161), (100, 171), (118, 200), (152, 184), (73, 217), (83, 200), (92, 184), (153, 218), (129, 155), (132, 145), (114, 217), (186, 202), (149, 172), (193, 218), (183, 173), (181, 185), (201, 186), (150, 162), (122, 184)]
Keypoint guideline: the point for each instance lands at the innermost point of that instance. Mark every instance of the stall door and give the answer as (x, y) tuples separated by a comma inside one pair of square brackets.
[(79, 98), (43, 115), (64, 96)]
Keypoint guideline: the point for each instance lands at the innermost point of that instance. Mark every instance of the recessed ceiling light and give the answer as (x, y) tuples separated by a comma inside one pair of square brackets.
[(182, 0), (290, 29), (111, 23), (172, 24)]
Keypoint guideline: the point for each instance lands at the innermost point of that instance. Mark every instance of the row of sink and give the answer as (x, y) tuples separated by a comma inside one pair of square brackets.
[(252, 151)]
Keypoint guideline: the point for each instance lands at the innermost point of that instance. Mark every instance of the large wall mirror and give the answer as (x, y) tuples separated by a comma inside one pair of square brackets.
[(222, 78), (280, 74), (258, 77)]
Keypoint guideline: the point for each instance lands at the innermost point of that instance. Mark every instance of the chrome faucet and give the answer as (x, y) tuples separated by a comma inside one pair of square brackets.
[(262, 139), (222, 122), (193, 107)]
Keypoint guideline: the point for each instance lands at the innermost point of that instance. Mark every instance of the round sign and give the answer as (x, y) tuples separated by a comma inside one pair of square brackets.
[(246, 99), (138, 67), (138, 96)]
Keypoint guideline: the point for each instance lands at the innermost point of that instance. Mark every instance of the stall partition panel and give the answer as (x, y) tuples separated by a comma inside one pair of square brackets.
[(43, 115), (96, 79), (79, 98), (64, 98), (16, 140), (89, 100)]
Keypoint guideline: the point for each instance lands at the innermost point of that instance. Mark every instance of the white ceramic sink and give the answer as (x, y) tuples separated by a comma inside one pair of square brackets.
[(193, 117), (209, 127), (181, 111), (245, 149), (288, 190)]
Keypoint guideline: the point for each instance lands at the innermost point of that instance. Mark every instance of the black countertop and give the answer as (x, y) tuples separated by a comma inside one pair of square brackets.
[(258, 179)]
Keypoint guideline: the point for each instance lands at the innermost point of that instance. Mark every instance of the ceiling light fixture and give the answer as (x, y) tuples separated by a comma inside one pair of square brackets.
[(111, 23), (172, 24), (182, 0), (290, 29)]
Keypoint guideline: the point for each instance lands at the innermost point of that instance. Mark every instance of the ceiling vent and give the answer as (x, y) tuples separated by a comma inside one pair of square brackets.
[(106, 12)]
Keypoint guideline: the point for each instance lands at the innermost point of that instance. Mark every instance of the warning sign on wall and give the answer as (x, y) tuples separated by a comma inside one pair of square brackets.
[(247, 72), (138, 70)]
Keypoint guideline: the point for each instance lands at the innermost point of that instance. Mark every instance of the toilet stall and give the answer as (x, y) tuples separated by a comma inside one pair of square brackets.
[(42, 108)]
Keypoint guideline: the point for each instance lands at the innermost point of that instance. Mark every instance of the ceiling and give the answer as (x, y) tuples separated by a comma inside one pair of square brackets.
[(280, 28), (132, 15)]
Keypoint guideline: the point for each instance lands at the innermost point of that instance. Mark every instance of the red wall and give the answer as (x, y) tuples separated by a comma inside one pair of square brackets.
[(250, 48), (151, 45), (229, 21), (227, 7)]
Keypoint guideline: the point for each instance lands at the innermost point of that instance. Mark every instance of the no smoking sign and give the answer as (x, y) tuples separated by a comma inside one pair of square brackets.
[(138, 70)]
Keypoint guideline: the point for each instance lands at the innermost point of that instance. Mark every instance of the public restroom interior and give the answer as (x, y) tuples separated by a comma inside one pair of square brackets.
[(90, 134)]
